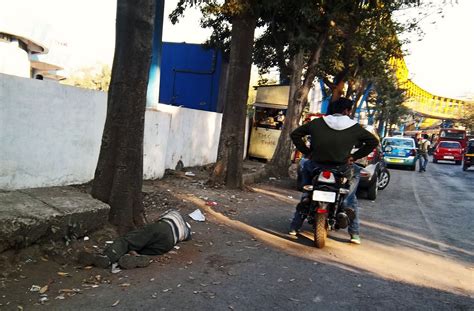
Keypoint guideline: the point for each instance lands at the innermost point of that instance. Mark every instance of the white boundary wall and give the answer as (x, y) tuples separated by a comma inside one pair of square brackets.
[(50, 134), (195, 136)]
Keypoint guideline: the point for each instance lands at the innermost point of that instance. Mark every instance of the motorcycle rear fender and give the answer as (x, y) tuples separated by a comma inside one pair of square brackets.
[(331, 188)]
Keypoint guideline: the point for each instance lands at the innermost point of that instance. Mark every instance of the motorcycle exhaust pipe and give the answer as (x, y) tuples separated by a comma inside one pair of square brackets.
[(342, 220), (344, 191)]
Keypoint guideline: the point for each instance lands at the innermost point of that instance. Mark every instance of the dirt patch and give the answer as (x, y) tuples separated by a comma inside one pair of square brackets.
[(220, 268), (49, 271)]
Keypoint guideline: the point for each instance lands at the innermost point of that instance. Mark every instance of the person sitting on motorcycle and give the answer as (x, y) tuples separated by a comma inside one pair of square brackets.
[(332, 140)]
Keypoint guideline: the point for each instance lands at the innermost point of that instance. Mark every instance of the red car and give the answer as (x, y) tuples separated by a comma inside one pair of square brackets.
[(448, 151)]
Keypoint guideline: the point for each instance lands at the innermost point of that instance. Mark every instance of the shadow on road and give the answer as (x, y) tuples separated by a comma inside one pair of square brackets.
[(386, 251)]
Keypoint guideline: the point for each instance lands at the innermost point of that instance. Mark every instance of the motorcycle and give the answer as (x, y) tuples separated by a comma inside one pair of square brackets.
[(325, 209), (374, 175)]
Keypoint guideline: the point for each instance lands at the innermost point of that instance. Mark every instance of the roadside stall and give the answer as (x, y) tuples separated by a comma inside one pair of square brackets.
[(270, 108)]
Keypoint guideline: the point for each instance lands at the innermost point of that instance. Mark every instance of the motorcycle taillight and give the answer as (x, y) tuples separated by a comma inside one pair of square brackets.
[(327, 177)]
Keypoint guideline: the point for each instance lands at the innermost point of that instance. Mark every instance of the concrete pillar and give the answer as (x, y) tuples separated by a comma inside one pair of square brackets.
[(325, 98), (153, 91)]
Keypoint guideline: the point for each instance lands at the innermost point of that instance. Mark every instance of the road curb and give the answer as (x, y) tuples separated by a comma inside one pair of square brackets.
[(42, 214), (254, 177)]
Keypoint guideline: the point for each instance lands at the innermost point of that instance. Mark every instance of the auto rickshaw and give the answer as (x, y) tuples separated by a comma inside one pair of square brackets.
[(468, 158)]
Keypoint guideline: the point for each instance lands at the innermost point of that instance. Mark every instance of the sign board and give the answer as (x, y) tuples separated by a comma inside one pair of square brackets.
[(273, 94), (263, 142)]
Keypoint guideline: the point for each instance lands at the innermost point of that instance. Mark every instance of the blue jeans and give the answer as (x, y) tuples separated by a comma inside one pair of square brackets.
[(350, 201), (423, 158)]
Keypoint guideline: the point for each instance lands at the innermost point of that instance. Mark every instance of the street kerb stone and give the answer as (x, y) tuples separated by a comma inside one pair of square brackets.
[(254, 177), (23, 219), (53, 213), (79, 212)]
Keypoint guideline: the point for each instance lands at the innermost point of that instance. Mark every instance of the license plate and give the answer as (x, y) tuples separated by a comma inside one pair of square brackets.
[(324, 196), (448, 157), (396, 160)]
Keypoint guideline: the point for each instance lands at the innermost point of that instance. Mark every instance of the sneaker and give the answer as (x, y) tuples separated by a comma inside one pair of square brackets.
[(98, 260), (355, 239), (293, 232), (129, 262)]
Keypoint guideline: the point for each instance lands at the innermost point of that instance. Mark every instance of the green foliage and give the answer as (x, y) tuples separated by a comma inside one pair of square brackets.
[(91, 78), (289, 28), (214, 18), (361, 33), (362, 43), (362, 36)]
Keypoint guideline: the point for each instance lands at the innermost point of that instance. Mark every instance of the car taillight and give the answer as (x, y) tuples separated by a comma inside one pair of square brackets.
[(371, 155), (413, 152), (364, 173)]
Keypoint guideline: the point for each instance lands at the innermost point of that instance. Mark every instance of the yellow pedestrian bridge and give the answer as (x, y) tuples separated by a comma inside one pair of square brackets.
[(427, 104)]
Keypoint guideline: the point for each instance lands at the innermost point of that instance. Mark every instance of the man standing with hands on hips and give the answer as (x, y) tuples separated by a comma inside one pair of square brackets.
[(332, 139)]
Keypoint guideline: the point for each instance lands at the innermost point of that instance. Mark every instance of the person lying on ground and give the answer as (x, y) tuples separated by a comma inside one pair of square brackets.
[(134, 248)]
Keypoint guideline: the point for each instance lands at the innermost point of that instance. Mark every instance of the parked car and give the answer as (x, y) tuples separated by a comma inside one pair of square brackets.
[(448, 151), (399, 151), (468, 155), (374, 174)]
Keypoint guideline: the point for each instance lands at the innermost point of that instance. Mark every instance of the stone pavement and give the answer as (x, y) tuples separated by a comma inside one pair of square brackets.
[(42, 214)]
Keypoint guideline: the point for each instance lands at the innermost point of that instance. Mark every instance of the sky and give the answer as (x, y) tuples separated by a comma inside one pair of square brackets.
[(442, 62), (82, 33)]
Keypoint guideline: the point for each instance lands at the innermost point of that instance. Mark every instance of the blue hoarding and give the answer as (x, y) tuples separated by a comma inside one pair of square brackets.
[(190, 76)]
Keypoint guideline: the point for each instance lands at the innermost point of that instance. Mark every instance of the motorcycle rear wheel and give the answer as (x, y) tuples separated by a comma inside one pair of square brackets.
[(320, 230)]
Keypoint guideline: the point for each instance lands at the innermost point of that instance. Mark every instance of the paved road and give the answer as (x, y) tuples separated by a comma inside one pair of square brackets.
[(417, 231), (416, 254), (436, 206)]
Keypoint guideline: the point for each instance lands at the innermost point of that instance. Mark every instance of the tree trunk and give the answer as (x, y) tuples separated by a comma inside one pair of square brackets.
[(359, 92), (380, 128), (298, 99), (381, 125), (387, 127), (119, 174), (337, 88), (229, 164), (350, 88), (281, 158)]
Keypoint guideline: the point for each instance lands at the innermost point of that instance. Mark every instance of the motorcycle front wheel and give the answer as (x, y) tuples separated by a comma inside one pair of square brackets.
[(320, 230)]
